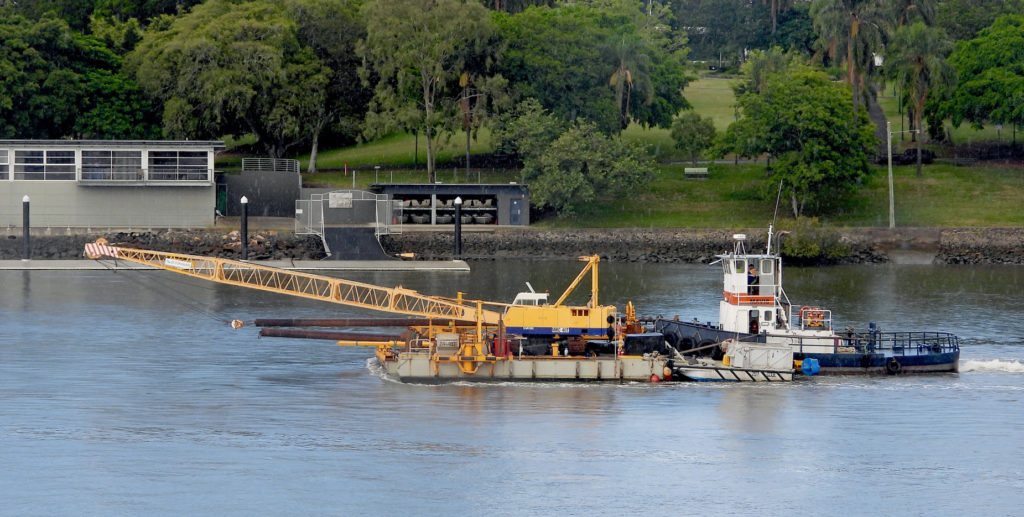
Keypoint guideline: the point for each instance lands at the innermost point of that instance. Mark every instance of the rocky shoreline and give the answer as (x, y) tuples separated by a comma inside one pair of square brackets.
[(859, 246)]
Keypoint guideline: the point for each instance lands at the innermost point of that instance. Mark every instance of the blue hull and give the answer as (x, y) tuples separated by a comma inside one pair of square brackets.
[(879, 353)]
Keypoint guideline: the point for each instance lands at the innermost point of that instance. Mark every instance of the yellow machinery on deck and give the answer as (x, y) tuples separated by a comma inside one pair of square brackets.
[(465, 332)]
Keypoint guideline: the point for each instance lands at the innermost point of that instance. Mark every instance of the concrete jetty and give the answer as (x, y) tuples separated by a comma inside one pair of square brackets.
[(294, 265)]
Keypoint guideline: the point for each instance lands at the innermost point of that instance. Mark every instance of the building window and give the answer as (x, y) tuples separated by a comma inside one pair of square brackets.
[(4, 163), (44, 165), (112, 165), (179, 166)]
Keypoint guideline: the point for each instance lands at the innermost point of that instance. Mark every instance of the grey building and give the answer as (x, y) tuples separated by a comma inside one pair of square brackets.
[(108, 183)]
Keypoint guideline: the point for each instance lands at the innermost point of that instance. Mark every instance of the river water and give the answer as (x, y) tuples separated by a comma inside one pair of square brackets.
[(127, 394)]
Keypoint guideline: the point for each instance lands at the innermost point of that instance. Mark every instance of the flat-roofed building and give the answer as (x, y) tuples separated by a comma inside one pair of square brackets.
[(109, 183)]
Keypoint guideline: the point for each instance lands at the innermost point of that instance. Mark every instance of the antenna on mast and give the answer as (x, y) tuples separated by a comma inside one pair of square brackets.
[(778, 197)]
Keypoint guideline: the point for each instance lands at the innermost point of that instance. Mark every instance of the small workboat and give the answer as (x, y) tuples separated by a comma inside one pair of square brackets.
[(755, 309)]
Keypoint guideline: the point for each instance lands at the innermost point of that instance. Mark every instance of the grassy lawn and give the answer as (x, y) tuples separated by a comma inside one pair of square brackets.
[(737, 197), (730, 198), (398, 150)]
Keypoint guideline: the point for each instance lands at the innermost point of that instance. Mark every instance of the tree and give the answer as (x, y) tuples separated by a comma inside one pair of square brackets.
[(806, 122), (724, 29), (608, 62), (59, 83), (851, 32), (526, 130), (583, 166), (232, 68), (332, 29), (918, 63), (416, 47), (990, 76), (693, 134), (964, 19)]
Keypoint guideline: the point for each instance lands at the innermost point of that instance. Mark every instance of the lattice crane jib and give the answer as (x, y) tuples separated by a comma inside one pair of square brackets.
[(329, 289)]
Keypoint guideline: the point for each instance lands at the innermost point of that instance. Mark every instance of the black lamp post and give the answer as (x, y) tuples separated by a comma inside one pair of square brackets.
[(458, 228), (27, 252), (245, 228)]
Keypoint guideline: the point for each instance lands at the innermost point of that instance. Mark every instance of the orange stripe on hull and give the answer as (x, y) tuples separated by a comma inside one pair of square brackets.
[(748, 299)]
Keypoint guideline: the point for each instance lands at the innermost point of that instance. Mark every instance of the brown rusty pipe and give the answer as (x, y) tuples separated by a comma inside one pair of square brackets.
[(321, 334), (352, 322)]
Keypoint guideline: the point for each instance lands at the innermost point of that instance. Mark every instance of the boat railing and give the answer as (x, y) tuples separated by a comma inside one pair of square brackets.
[(906, 343), (889, 343)]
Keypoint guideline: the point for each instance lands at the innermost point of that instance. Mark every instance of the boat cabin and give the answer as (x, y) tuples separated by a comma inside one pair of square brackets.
[(753, 300)]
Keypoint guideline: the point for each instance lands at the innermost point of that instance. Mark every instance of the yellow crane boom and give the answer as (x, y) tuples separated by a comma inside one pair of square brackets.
[(389, 299)]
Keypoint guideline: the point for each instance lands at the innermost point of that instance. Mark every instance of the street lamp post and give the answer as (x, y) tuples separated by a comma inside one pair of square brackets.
[(892, 206), (245, 228), (458, 228), (27, 252)]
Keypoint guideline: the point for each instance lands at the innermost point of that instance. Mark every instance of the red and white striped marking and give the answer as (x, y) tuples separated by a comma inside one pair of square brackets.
[(96, 250)]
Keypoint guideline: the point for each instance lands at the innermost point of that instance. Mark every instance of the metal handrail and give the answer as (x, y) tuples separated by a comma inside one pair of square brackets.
[(899, 343)]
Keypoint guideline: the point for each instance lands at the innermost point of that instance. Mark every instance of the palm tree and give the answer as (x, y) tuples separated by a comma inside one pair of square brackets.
[(631, 72), (852, 32), (918, 63), (909, 11)]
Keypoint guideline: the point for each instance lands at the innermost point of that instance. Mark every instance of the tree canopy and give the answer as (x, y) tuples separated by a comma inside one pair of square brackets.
[(57, 82), (232, 68), (419, 50), (990, 76), (806, 122), (610, 63)]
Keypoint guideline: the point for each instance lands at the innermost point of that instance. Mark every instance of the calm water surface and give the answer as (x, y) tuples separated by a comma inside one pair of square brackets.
[(127, 394)]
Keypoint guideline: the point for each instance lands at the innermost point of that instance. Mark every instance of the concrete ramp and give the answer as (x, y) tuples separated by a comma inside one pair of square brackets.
[(350, 243)]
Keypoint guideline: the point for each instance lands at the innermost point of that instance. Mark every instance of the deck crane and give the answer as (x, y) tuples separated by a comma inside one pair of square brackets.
[(465, 332)]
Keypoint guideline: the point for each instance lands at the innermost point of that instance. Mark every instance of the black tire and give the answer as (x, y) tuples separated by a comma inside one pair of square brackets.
[(893, 366), (685, 343), (672, 337)]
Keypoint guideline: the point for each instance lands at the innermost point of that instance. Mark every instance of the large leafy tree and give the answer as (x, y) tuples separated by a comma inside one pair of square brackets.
[(693, 134), (610, 62), (990, 71), (56, 83), (417, 49), (332, 29), (584, 166), (917, 61), (805, 121), (964, 19), (569, 168), (232, 68)]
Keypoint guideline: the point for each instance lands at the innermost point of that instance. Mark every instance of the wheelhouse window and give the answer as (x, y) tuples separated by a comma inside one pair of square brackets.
[(44, 165), (4, 163), (178, 166), (112, 165)]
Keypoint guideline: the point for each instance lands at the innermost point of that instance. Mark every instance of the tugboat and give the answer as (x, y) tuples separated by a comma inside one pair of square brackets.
[(755, 309)]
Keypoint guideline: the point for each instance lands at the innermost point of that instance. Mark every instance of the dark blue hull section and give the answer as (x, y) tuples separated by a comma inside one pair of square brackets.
[(872, 353)]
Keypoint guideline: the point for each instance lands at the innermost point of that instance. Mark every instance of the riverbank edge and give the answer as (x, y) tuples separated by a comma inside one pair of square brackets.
[(857, 245)]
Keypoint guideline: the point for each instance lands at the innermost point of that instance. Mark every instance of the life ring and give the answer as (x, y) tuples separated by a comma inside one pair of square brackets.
[(893, 366), (815, 317)]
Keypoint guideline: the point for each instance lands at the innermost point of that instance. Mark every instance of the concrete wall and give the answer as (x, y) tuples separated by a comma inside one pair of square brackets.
[(270, 194), (67, 204)]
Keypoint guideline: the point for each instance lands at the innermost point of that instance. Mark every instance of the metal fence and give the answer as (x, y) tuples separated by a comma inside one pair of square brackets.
[(269, 165)]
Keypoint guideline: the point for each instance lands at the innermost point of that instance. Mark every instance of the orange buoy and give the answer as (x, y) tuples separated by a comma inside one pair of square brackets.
[(666, 373), (237, 324)]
